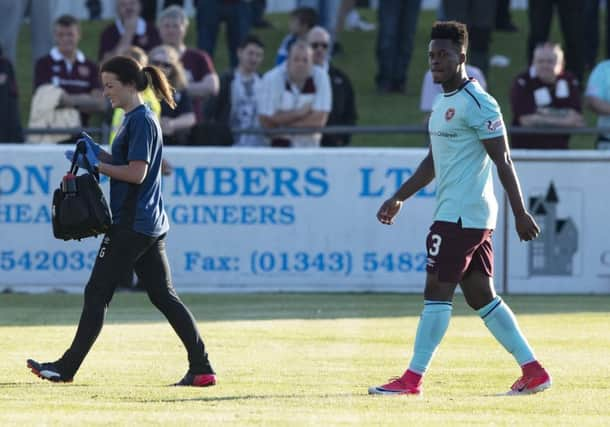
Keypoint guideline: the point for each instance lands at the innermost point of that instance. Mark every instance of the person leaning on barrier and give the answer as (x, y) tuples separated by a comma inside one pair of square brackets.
[(10, 121), (597, 99), (343, 110), (545, 95), (236, 106), (296, 94), (67, 67)]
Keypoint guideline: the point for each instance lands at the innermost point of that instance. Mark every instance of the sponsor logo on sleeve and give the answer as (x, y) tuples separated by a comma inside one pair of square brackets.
[(495, 125)]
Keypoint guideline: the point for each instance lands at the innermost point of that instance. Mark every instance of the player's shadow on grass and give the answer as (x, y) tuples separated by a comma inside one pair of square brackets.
[(65, 309), (41, 383), (245, 397)]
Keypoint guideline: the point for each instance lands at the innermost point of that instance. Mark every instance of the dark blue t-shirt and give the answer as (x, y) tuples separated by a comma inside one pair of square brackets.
[(139, 206)]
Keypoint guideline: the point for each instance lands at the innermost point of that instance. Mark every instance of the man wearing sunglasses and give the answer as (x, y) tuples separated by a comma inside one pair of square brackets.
[(343, 110)]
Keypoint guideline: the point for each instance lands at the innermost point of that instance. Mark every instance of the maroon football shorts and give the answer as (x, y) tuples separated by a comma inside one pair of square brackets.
[(454, 250)]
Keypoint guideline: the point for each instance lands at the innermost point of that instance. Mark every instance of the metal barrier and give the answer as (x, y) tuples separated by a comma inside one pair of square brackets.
[(104, 130), (102, 133)]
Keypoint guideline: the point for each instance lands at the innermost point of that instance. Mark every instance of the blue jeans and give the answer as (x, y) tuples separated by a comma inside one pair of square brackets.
[(397, 25), (237, 16)]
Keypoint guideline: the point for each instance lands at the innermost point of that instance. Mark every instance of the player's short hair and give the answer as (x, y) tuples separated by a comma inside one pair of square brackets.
[(451, 30), (251, 39), (66, 21), (306, 16)]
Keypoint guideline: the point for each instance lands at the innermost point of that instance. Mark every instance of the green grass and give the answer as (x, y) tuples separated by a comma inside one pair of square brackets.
[(302, 359), (359, 62)]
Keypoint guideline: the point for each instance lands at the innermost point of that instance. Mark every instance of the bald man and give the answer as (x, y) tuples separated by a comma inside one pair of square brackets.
[(296, 94), (343, 110)]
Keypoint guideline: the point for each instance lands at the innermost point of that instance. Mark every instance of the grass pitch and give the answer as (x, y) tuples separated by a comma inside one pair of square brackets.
[(302, 359)]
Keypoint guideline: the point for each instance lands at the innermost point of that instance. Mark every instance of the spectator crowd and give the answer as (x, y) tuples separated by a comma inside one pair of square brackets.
[(304, 88)]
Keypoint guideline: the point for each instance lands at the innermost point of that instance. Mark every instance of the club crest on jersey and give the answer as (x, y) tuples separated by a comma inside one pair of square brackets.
[(493, 126), (449, 114)]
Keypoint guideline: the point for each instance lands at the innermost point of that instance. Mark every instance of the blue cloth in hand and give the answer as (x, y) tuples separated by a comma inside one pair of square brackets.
[(80, 161), (84, 136)]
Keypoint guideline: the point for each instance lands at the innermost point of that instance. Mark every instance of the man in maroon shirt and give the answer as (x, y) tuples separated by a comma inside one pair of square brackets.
[(128, 29), (66, 67), (545, 96), (202, 78)]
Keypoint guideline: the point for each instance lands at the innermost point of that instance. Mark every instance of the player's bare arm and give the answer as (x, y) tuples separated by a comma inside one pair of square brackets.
[(422, 177), (497, 149)]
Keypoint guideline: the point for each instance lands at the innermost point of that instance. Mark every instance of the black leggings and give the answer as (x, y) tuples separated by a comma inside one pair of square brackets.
[(121, 252)]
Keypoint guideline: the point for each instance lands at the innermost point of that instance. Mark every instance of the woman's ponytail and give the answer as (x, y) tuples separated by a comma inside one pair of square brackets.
[(129, 71), (157, 80)]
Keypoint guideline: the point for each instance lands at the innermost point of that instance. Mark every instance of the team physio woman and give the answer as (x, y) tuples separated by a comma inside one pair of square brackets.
[(136, 240)]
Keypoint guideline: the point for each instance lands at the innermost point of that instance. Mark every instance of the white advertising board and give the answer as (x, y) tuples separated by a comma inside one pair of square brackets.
[(568, 194), (247, 219), (300, 220)]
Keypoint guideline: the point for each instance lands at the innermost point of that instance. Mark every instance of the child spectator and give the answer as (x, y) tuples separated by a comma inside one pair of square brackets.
[(302, 20)]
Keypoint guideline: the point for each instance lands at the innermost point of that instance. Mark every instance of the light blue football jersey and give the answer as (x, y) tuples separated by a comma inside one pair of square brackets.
[(460, 123), (598, 86)]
